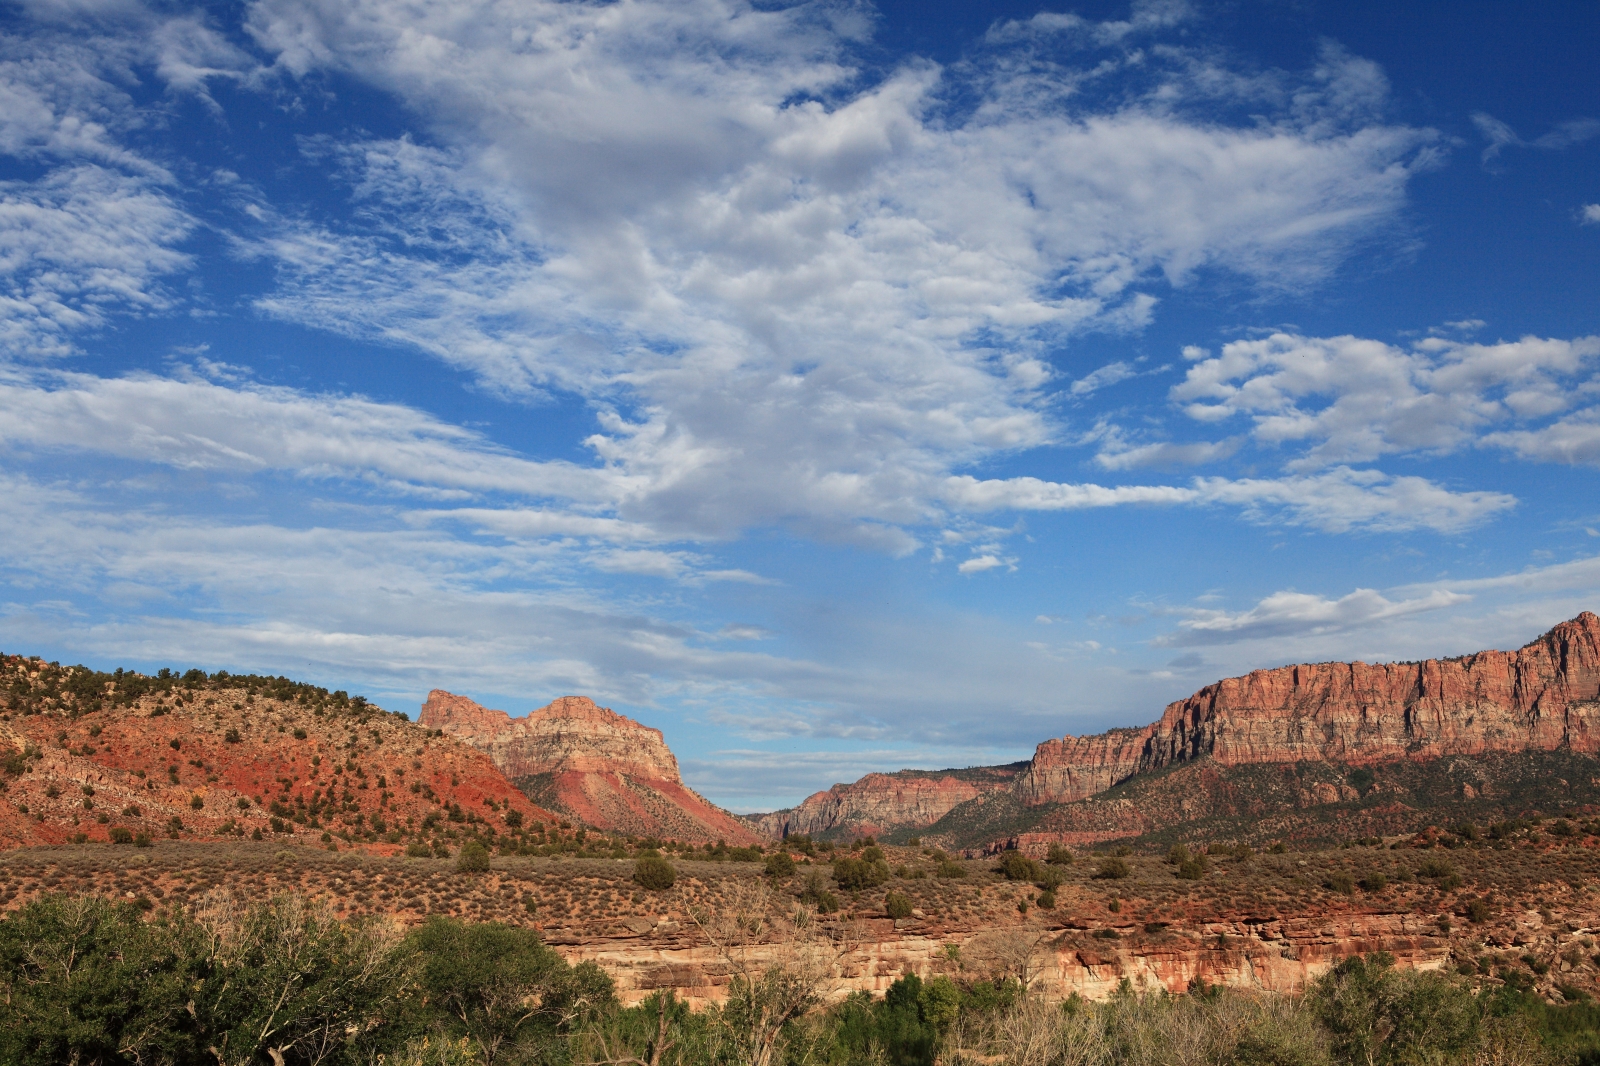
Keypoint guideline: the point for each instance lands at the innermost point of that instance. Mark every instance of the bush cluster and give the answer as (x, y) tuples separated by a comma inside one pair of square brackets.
[(91, 980)]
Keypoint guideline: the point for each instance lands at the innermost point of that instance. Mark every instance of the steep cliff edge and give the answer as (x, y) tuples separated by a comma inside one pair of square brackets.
[(589, 762), (1542, 697), (1502, 712)]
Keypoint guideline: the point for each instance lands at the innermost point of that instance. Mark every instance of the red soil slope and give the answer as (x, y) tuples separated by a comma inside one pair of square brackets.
[(194, 757)]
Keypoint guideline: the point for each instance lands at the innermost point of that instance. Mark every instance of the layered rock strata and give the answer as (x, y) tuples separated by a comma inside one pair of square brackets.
[(1542, 697), (587, 761), (881, 803)]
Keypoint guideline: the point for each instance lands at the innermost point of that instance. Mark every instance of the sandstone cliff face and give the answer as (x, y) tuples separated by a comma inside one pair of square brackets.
[(879, 803), (1543, 697), (591, 763)]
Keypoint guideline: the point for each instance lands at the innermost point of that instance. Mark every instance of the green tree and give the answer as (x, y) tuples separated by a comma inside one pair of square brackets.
[(85, 980), (290, 982), (1377, 1015), (653, 872), (501, 988), (855, 874), (473, 858)]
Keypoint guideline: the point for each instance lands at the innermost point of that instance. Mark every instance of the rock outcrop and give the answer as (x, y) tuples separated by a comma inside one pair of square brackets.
[(597, 766), (1543, 697), (881, 803)]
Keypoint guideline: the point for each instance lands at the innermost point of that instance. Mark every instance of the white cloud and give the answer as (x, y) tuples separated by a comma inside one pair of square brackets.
[(1343, 499), (202, 425), (1165, 454), (799, 296), (1590, 214), (78, 245), (978, 564), (1291, 613), (1501, 136), (1351, 399), (1335, 501), (1109, 374)]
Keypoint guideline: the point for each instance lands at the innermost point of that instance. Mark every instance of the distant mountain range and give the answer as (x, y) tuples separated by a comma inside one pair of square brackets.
[(1312, 751), (1309, 753)]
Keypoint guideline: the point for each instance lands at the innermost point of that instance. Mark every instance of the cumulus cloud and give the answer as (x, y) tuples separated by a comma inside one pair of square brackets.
[(1291, 613), (1351, 399), (799, 296)]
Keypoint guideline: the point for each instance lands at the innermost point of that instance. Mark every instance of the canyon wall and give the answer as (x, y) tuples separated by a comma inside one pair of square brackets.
[(1543, 697), (599, 767), (880, 803)]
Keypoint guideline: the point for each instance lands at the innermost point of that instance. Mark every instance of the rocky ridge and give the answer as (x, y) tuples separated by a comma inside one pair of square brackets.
[(590, 763), (879, 803), (1542, 698)]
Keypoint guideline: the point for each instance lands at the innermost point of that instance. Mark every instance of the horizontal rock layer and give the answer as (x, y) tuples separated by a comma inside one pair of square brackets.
[(880, 803), (1543, 697)]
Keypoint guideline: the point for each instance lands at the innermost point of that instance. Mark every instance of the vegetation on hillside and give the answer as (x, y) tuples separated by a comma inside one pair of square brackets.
[(283, 981)]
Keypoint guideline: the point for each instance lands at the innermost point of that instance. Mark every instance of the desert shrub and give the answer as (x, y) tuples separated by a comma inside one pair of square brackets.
[(1373, 882), (779, 865), (654, 873), (1178, 854), (1059, 855), (1047, 899), (1374, 1013), (1192, 868), (1340, 882), (1478, 912), (120, 835), (500, 987), (1435, 867), (1018, 867), (1113, 868), (897, 905), (418, 850), (816, 893), (473, 858), (855, 874), (950, 870)]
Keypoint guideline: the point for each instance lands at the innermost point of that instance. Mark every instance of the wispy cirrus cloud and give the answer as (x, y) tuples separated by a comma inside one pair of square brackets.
[(1296, 613)]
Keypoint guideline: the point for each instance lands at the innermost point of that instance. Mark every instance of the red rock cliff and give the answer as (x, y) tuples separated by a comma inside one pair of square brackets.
[(1541, 697), (601, 768), (879, 803)]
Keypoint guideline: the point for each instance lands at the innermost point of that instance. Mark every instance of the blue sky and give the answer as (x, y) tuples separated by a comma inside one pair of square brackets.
[(836, 387)]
